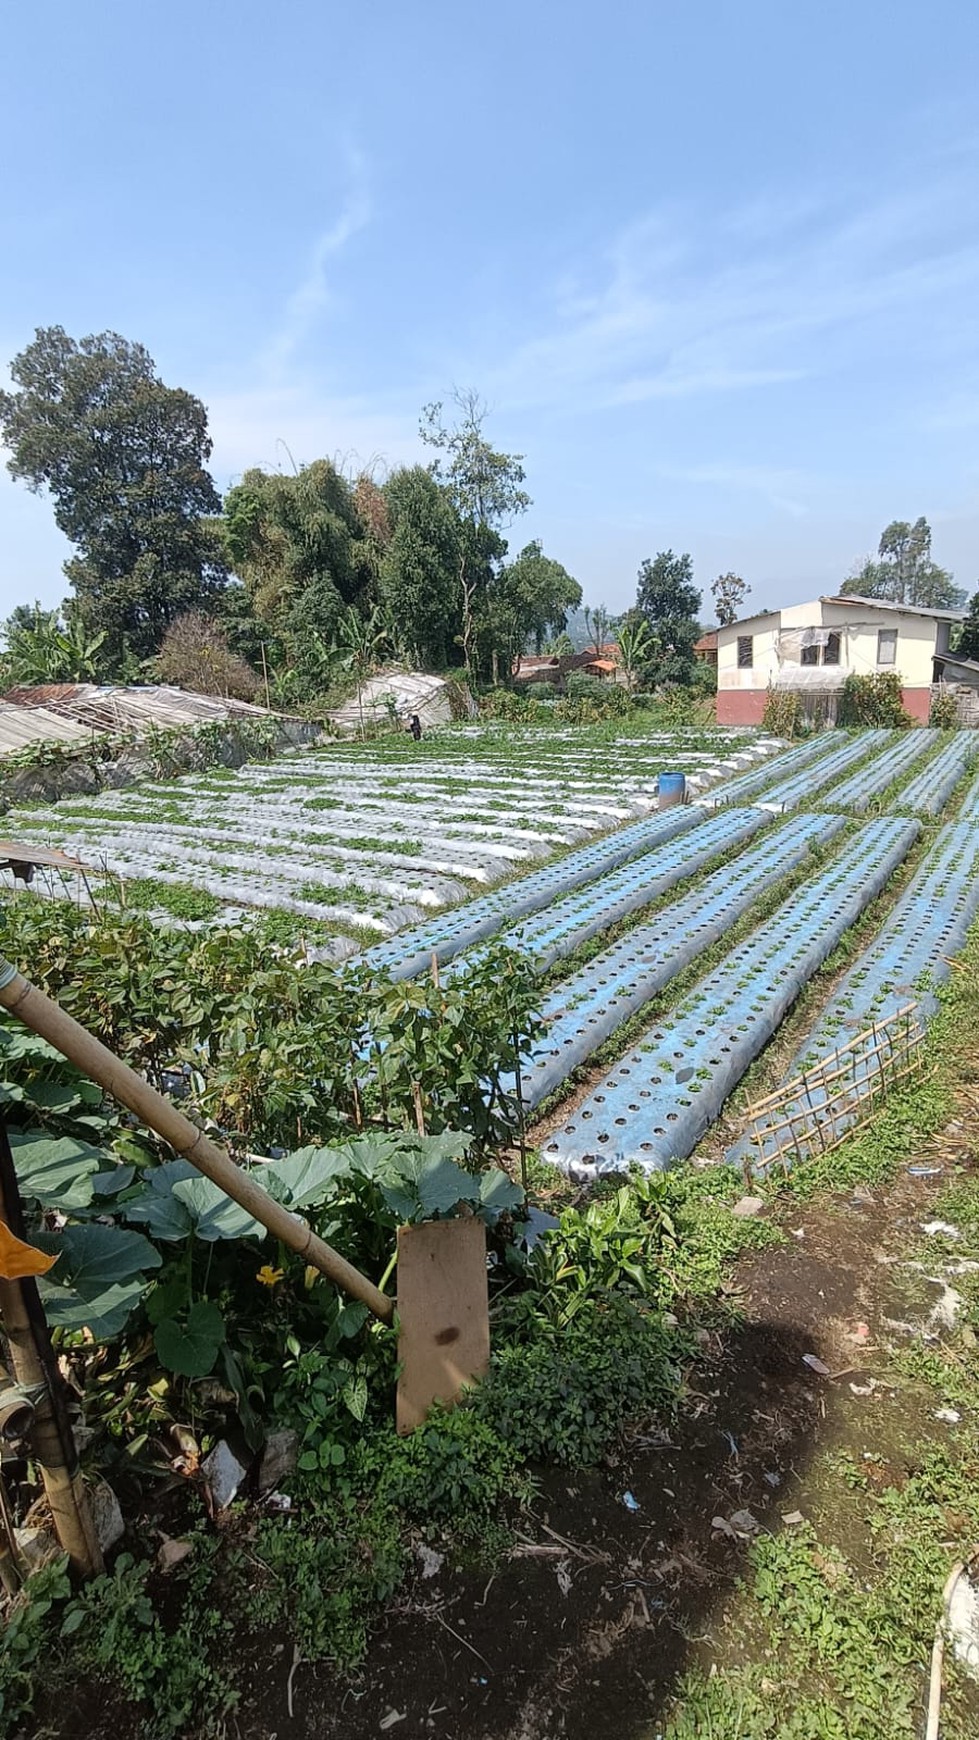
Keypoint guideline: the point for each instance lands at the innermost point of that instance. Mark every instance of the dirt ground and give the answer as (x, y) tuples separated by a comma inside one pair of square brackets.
[(585, 1630)]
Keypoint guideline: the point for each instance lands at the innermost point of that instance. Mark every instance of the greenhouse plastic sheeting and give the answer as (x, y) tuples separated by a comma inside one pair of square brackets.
[(905, 963), (654, 1106), (587, 1008), (870, 782), (564, 926), (928, 794), (411, 952)]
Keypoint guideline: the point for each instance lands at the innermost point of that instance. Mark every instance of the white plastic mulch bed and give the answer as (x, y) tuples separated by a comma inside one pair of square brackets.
[(367, 838)]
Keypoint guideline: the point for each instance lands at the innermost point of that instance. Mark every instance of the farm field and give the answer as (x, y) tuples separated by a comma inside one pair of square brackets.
[(626, 984), (352, 842), (625, 914)]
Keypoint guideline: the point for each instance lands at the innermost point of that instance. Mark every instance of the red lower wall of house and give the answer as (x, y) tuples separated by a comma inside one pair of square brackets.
[(917, 702), (746, 706), (740, 706)]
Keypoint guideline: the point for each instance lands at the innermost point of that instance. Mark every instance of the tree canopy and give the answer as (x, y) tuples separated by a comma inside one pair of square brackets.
[(730, 592), (968, 643), (486, 490), (904, 571), (667, 600), (419, 568), (291, 534), (419, 558), (124, 458)]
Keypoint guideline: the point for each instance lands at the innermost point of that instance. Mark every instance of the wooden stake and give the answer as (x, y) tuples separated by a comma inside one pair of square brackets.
[(34, 1366), (416, 1094)]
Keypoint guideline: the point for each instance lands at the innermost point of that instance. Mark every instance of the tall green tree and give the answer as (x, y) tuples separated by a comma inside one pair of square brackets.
[(419, 568), (968, 642), (297, 542), (730, 592), (668, 600), (124, 458), (485, 487), (904, 572), (534, 594)]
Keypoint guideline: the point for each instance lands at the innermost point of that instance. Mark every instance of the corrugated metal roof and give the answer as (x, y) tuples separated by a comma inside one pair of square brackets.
[(21, 727), (73, 712), (889, 604)]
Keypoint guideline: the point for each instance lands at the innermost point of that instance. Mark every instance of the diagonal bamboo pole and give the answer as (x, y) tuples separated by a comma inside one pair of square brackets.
[(46, 1018)]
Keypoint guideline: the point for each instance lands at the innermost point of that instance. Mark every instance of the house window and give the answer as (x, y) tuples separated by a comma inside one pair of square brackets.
[(887, 646), (809, 655), (831, 651), (746, 652)]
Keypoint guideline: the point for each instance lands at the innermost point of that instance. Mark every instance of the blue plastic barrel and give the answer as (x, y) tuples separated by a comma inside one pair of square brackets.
[(671, 789)]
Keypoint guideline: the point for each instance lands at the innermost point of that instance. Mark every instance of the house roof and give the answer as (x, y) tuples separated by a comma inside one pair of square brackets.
[(962, 664), (707, 642), (889, 604), (850, 598), (600, 665)]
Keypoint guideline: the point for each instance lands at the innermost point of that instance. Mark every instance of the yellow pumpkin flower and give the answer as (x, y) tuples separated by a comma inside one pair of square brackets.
[(268, 1276)]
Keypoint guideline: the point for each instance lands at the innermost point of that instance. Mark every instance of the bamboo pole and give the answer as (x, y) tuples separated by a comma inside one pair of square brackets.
[(34, 1366), (46, 1018)]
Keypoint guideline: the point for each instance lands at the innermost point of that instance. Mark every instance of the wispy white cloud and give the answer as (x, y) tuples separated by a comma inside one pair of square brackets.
[(784, 489), (311, 297), (687, 303)]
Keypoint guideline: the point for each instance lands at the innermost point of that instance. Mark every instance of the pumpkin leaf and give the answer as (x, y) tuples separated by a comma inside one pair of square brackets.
[(190, 1346)]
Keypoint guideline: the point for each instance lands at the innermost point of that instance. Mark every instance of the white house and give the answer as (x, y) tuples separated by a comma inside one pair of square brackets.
[(811, 648)]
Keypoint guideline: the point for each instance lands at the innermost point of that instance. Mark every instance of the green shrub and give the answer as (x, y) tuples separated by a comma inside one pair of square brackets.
[(457, 1467), (504, 704), (565, 1394), (703, 678), (541, 692), (582, 686), (323, 1582), (944, 712), (783, 712), (873, 700)]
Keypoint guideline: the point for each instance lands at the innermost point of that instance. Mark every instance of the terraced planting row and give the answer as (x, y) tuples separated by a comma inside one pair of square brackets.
[(901, 969), (356, 840), (660, 891), (655, 1104)]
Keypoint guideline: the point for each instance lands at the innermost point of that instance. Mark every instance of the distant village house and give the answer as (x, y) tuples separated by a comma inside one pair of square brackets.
[(812, 648)]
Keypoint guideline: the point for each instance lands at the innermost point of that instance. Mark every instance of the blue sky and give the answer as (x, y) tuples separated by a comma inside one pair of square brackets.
[(714, 267)]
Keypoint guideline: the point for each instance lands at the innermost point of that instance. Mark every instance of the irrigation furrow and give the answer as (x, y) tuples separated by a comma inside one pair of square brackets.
[(653, 1107), (555, 933), (928, 794), (859, 791), (587, 1008), (411, 953), (904, 965)]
